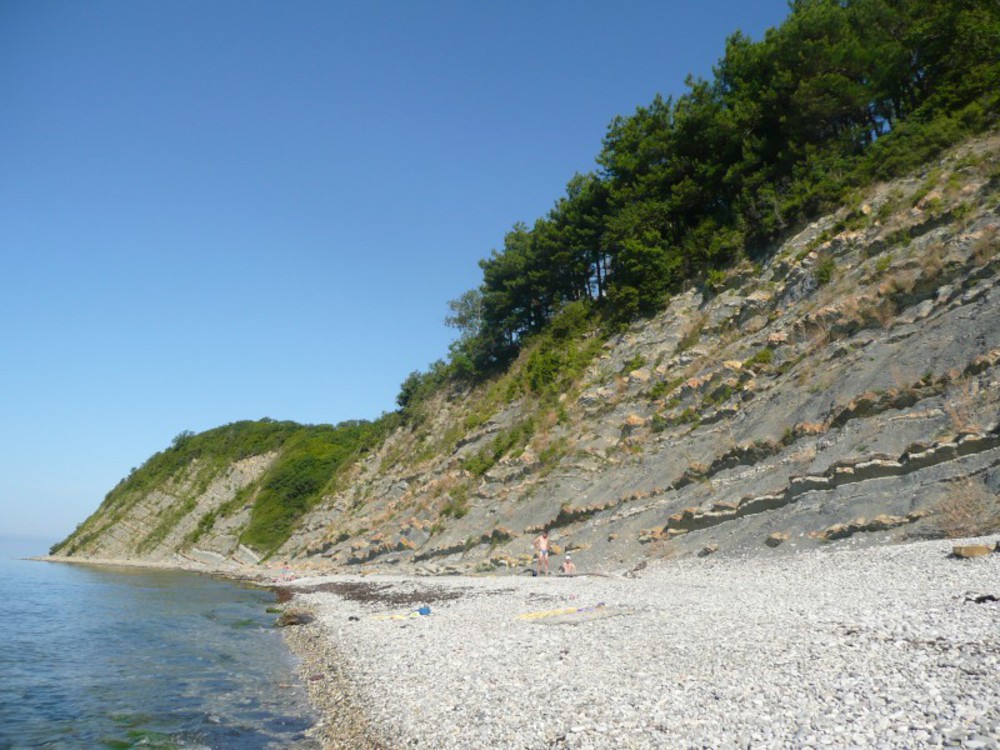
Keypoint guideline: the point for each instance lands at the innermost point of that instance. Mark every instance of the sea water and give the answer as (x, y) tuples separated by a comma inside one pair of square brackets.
[(125, 657)]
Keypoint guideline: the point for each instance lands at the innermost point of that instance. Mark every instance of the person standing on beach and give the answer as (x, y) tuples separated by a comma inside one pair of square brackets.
[(542, 551)]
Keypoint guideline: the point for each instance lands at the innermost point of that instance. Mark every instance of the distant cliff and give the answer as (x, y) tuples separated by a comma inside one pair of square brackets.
[(846, 388)]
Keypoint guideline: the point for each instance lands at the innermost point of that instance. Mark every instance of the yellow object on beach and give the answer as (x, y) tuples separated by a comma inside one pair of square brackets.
[(557, 612), (423, 611), (407, 616)]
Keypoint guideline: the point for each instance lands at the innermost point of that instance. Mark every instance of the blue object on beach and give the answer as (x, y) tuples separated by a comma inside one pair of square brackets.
[(424, 610)]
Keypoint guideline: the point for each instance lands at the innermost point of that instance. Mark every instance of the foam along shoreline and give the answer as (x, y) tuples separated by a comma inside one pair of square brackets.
[(876, 647)]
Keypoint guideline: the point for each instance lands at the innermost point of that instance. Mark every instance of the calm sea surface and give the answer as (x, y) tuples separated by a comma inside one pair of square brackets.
[(120, 658)]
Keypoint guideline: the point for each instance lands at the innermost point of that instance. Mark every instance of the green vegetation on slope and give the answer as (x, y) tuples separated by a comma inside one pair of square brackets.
[(550, 364), (205, 454), (309, 459), (295, 482), (842, 93)]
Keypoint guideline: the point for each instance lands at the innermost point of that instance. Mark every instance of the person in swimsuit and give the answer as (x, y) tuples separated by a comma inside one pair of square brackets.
[(542, 552), (568, 567)]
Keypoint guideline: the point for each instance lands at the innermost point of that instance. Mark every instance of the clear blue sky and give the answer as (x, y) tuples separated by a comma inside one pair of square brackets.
[(225, 210)]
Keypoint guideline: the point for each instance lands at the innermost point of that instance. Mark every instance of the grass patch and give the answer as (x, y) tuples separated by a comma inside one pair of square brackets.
[(506, 442), (457, 505), (761, 359), (825, 270), (663, 388), (692, 335)]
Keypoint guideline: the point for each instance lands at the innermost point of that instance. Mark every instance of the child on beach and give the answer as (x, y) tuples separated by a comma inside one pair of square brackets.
[(568, 567)]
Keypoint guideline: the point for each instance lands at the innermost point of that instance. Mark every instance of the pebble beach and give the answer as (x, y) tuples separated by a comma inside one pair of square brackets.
[(877, 647)]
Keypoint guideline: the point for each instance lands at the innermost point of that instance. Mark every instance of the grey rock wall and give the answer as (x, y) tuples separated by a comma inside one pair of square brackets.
[(774, 413)]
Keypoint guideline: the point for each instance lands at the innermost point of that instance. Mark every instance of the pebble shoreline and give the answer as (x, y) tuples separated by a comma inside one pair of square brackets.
[(881, 647)]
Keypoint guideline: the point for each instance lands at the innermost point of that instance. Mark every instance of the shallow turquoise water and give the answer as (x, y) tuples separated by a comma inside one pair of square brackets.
[(118, 658)]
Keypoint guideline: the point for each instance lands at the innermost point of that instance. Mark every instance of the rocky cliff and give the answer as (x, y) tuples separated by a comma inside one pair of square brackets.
[(843, 390)]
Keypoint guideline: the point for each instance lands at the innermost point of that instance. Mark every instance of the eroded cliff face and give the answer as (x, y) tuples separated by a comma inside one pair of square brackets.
[(158, 525), (845, 390)]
